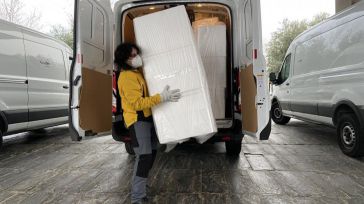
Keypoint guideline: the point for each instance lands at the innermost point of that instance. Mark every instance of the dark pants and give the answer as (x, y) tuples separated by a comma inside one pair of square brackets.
[(144, 141)]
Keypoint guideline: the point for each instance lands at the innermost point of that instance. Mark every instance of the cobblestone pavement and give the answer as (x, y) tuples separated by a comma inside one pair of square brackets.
[(301, 163)]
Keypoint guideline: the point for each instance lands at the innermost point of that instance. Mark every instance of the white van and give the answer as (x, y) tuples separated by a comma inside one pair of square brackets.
[(322, 79), (34, 85), (100, 30)]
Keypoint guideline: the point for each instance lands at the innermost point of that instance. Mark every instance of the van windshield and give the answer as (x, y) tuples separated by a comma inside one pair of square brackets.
[(284, 74)]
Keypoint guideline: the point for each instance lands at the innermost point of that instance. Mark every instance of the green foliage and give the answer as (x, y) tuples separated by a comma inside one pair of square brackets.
[(282, 38), (318, 19), (63, 34)]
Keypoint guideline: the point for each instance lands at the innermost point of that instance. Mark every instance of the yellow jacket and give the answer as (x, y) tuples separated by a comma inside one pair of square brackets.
[(134, 96)]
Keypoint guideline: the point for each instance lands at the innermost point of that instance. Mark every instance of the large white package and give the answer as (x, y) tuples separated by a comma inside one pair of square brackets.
[(205, 21), (211, 40), (171, 57)]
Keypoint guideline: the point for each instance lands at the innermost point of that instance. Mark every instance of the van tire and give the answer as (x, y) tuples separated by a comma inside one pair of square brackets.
[(277, 115), (1, 139), (350, 135), (129, 148), (233, 147)]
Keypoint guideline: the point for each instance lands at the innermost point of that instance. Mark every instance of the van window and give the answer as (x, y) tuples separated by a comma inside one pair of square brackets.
[(44, 61), (93, 24), (248, 29), (99, 23), (284, 74), (341, 46), (86, 16), (12, 57)]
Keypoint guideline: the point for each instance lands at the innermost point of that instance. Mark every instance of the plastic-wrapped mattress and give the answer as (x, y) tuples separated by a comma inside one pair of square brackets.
[(171, 57), (211, 41)]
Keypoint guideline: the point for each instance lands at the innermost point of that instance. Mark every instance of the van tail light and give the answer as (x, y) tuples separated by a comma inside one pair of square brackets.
[(226, 138), (126, 139), (79, 58), (255, 54)]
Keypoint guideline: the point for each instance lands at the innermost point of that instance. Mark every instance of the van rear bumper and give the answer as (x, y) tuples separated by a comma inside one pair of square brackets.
[(229, 134), (224, 137)]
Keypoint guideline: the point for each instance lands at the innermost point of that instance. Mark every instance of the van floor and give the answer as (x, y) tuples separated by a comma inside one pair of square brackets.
[(300, 163)]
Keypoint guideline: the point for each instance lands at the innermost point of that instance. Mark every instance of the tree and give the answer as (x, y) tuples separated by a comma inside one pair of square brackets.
[(32, 20), (62, 33), (282, 38), (318, 19), (13, 11)]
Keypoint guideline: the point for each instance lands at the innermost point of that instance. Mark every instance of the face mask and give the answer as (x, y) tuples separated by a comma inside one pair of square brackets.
[(136, 62)]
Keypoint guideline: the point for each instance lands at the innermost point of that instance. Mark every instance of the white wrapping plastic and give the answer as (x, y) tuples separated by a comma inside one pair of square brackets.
[(211, 40), (205, 21), (171, 57)]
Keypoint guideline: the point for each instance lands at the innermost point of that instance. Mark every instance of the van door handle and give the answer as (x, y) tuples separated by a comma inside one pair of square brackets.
[(65, 87), (287, 84)]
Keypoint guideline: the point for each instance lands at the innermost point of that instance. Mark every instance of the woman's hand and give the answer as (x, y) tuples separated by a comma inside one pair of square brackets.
[(170, 95)]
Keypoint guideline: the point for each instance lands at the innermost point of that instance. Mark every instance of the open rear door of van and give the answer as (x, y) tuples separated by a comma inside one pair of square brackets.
[(254, 80), (91, 72)]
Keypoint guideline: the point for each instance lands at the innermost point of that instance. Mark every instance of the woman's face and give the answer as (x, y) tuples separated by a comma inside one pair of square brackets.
[(134, 53)]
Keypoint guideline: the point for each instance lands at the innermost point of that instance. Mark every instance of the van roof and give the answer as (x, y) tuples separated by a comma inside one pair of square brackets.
[(120, 2), (330, 23), (36, 32)]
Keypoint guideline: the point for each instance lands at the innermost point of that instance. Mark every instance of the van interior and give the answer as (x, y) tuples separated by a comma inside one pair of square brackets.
[(199, 14)]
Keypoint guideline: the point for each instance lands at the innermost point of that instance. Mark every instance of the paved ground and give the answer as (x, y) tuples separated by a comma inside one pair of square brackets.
[(301, 163)]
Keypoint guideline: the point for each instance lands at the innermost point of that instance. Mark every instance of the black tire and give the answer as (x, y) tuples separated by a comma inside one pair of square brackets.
[(1, 139), (350, 135), (162, 148), (129, 148), (277, 115), (233, 148)]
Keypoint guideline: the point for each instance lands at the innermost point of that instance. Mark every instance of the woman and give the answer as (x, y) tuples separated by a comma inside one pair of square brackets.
[(136, 105)]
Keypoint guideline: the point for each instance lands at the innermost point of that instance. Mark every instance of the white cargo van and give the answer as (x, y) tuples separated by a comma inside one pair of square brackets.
[(34, 81), (322, 79), (99, 30)]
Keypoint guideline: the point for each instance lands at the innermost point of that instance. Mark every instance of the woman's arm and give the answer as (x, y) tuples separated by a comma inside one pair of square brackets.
[(133, 93)]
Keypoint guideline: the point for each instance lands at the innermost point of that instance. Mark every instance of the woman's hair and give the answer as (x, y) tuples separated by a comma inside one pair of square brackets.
[(122, 54)]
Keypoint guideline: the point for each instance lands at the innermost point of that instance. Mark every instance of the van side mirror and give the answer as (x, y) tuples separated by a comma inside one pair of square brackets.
[(273, 78)]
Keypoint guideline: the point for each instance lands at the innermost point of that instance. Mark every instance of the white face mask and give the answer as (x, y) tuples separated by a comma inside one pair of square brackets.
[(136, 62)]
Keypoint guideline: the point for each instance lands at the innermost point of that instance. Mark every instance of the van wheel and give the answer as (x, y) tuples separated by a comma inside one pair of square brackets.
[(350, 135), (129, 148), (1, 139), (277, 115), (233, 148)]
